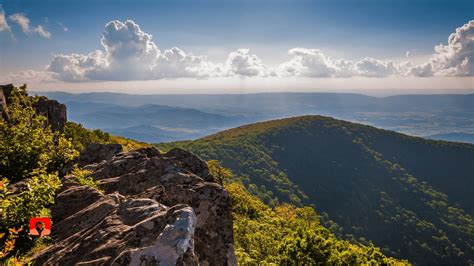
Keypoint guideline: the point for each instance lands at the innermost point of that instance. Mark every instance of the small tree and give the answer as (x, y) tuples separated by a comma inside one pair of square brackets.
[(222, 174)]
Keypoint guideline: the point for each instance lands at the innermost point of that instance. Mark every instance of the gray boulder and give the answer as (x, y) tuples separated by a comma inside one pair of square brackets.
[(95, 153)]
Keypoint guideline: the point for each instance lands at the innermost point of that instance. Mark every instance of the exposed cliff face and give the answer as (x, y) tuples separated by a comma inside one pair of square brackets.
[(54, 111), (155, 209), (4, 92)]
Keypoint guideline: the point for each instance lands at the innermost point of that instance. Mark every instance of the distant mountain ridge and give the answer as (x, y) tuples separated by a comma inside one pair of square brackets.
[(150, 134), (149, 114), (418, 115), (149, 122), (455, 136), (287, 101), (411, 196)]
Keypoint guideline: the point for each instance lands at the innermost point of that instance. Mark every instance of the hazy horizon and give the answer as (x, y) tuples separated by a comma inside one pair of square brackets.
[(366, 92), (238, 46)]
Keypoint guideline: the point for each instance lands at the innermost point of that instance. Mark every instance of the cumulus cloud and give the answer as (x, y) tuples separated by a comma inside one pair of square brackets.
[(175, 63), (457, 57), (370, 67), (3, 21), (24, 23), (130, 54), (454, 59), (424, 70), (78, 67), (307, 63), (242, 63), (314, 63), (344, 68), (28, 76)]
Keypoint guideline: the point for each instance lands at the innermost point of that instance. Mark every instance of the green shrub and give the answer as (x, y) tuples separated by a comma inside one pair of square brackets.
[(32, 153), (83, 177), (223, 175), (16, 210), (26, 143), (81, 137), (289, 235)]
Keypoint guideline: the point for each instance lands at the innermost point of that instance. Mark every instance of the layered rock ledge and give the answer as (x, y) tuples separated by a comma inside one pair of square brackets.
[(151, 209)]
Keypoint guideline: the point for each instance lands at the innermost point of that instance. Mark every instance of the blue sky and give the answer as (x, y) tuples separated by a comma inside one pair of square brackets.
[(352, 30)]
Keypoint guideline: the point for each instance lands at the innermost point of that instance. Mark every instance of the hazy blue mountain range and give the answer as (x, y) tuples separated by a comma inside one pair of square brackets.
[(157, 118), (149, 122), (114, 116), (151, 134)]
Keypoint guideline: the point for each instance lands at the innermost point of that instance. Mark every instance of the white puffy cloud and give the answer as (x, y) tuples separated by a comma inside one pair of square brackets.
[(345, 68), (77, 67), (27, 76), (3, 21), (314, 63), (457, 57), (307, 63), (175, 63), (24, 23), (242, 63), (370, 67), (130, 54), (424, 70), (126, 42), (454, 59)]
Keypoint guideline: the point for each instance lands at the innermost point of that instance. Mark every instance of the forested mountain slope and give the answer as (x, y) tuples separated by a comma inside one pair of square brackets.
[(411, 196)]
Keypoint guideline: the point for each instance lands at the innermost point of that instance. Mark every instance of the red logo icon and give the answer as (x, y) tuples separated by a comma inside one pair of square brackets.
[(40, 226)]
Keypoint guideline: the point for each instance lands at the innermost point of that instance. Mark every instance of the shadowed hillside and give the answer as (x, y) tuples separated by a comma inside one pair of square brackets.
[(411, 196)]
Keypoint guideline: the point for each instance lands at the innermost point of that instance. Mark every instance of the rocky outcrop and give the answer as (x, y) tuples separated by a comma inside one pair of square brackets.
[(54, 111), (4, 92), (151, 209), (96, 153), (93, 154)]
